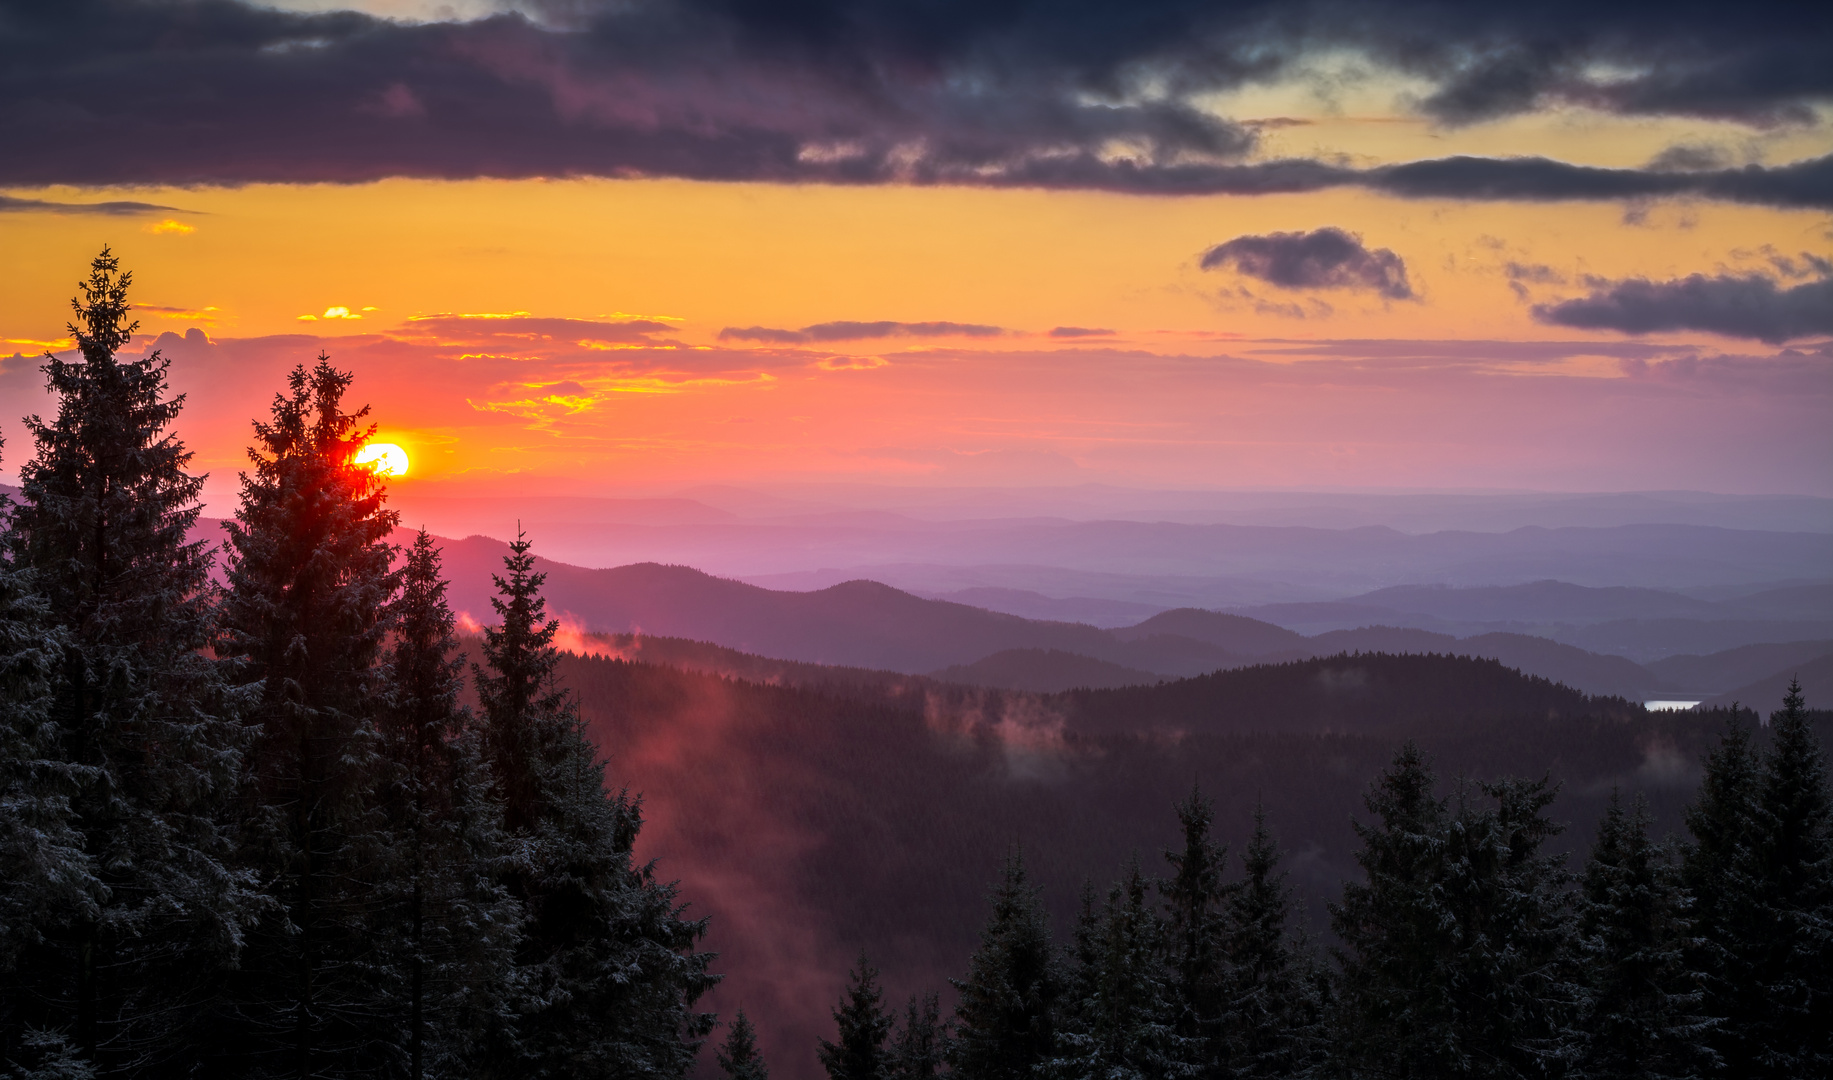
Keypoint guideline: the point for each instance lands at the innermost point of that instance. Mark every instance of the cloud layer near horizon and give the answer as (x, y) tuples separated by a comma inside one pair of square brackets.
[(865, 91), (541, 406)]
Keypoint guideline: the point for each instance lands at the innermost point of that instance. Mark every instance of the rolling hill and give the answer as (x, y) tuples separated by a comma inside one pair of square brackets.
[(869, 625), (813, 819)]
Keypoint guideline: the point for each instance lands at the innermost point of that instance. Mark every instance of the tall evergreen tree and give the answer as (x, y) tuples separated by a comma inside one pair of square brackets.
[(1642, 1001), (304, 622), (47, 882), (1196, 904), (1790, 951), (919, 1049), (1721, 875), (739, 1057), (1004, 1016), (1394, 928), (1518, 967), (452, 923), (1121, 1024), (1453, 959), (858, 1050), (103, 521), (607, 972), (1272, 1011)]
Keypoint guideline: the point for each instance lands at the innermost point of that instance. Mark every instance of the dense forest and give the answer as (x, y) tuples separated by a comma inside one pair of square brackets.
[(281, 826)]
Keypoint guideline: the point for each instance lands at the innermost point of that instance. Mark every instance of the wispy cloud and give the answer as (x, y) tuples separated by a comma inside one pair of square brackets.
[(857, 331), (16, 205)]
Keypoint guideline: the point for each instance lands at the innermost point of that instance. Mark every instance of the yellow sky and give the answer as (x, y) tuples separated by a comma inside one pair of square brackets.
[(251, 260)]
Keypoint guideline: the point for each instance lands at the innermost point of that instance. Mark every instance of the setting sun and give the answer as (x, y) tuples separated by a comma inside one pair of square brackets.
[(386, 459)]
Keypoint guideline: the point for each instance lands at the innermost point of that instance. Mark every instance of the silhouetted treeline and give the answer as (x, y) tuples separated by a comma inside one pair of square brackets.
[(872, 812), (251, 831), (1467, 948)]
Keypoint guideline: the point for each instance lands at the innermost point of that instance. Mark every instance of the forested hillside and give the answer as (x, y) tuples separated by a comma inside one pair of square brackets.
[(877, 812)]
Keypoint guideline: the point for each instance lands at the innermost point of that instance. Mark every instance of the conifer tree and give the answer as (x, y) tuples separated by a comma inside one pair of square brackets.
[(1004, 1017), (1272, 1014), (607, 975), (1788, 1003), (310, 583), (739, 1058), (47, 882), (919, 1050), (1121, 1026), (1642, 1002), (1722, 877), (102, 524), (1518, 967), (1454, 958), (1196, 902), (858, 1050), (1394, 927), (453, 922), (1081, 972)]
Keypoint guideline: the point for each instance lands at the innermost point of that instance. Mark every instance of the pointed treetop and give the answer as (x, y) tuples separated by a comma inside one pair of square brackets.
[(1793, 703), (739, 1057), (102, 309)]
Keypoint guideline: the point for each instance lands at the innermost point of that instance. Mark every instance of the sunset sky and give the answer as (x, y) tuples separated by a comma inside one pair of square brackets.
[(633, 247)]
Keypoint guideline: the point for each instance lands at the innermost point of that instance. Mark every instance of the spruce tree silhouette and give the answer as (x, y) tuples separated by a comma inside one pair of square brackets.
[(606, 969), (1006, 1011), (47, 879), (303, 623), (858, 1049), (1642, 1011), (739, 1058), (451, 921), (105, 510), (1273, 1013)]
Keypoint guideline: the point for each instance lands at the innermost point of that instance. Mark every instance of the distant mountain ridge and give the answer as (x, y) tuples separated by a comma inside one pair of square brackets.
[(870, 625), (865, 624)]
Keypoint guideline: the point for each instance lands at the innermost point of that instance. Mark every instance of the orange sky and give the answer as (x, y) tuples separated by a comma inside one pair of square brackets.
[(1209, 378)]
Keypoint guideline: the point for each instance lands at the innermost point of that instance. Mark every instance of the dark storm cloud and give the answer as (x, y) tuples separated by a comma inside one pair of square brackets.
[(999, 92), (1748, 306), (855, 331), (1326, 258)]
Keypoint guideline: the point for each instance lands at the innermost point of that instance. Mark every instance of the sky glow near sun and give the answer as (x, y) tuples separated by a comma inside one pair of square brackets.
[(920, 319)]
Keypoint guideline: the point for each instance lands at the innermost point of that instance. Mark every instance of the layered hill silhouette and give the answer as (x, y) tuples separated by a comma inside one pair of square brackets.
[(1815, 675), (869, 625), (1736, 667), (1642, 624)]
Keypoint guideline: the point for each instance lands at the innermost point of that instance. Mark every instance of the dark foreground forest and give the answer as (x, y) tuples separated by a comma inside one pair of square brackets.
[(281, 826)]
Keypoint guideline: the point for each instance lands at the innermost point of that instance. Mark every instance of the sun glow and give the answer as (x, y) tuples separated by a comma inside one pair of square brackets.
[(386, 459)]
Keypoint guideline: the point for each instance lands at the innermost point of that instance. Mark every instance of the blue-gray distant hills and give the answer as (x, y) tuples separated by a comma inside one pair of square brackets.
[(865, 624), (1169, 549)]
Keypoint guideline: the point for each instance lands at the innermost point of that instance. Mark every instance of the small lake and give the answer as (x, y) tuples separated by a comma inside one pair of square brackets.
[(1668, 706)]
